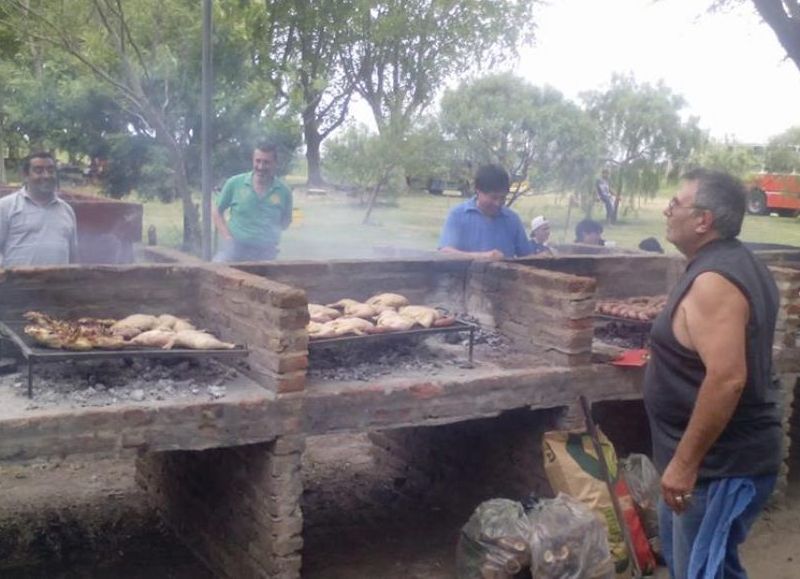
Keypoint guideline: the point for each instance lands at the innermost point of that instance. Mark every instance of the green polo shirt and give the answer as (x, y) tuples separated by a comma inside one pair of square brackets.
[(255, 219)]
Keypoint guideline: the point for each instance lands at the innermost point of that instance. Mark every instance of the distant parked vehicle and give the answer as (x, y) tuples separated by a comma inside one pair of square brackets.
[(774, 193)]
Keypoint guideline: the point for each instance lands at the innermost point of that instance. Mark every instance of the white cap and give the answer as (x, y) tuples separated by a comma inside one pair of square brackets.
[(537, 222)]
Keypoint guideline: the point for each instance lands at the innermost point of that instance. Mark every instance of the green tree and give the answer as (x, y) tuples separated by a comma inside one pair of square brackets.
[(533, 132), (402, 51), (732, 157), (148, 54), (304, 40), (642, 134), (782, 154), (139, 49)]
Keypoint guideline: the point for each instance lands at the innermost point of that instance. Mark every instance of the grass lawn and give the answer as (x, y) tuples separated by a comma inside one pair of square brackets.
[(329, 226)]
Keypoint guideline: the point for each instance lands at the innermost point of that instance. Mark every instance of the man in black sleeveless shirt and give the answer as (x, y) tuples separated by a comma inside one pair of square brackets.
[(713, 408)]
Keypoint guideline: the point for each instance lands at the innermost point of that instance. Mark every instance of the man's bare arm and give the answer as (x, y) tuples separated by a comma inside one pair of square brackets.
[(711, 319)]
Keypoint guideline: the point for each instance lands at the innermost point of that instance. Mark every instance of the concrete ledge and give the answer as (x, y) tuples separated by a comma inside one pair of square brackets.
[(396, 403), (246, 415)]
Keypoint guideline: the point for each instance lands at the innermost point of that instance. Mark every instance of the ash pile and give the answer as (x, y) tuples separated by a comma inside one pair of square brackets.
[(365, 362), (493, 341), (623, 335), (108, 382)]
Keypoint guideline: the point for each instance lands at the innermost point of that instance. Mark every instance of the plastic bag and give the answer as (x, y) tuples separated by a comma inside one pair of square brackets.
[(645, 486), (494, 544), (572, 467), (568, 541)]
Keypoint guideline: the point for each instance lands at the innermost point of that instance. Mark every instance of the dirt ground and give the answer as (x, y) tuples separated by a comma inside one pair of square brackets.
[(79, 518)]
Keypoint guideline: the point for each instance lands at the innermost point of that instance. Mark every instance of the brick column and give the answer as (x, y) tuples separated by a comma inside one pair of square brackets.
[(237, 508), (786, 351)]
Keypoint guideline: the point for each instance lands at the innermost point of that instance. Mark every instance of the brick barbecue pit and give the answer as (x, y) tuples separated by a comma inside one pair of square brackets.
[(228, 473)]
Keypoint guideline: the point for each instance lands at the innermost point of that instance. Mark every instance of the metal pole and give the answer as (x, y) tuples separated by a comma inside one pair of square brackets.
[(601, 459), (206, 129)]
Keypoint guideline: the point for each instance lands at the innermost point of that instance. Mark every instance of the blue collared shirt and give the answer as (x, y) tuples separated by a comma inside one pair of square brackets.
[(467, 229)]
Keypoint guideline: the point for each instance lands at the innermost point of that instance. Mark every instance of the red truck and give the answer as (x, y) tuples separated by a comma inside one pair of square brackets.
[(774, 193)]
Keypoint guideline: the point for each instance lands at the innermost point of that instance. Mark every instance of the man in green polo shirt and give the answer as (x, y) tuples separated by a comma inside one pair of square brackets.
[(260, 208)]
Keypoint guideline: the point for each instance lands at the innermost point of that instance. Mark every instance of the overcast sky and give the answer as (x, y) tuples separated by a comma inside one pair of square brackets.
[(729, 67)]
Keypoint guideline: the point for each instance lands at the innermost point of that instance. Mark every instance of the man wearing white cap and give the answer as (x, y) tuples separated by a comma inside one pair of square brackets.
[(540, 233)]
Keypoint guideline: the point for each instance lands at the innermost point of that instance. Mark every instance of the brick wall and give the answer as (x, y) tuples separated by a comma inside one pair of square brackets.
[(438, 282), (238, 509), (98, 291), (546, 313), (786, 350), (161, 254), (620, 276), (269, 317)]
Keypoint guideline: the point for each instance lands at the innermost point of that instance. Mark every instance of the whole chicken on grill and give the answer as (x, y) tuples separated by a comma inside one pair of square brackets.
[(197, 340), (343, 303), (358, 310), (344, 326), (394, 321), (164, 339), (388, 300), (423, 315), (321, 314), (320, 330), (134, 325)]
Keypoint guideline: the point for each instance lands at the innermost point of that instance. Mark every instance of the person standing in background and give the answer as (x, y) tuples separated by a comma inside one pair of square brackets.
[(37, 227), (260, 207), (483, 227), (607, 196), (540, 233)]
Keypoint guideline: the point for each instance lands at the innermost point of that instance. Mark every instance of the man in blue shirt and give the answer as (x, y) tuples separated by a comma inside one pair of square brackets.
[(483, 227)]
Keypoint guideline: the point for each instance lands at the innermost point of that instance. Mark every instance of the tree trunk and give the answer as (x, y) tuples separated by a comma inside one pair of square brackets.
[(2, 158), (313, 142), (784, 24), (374, 195), (191, 216)]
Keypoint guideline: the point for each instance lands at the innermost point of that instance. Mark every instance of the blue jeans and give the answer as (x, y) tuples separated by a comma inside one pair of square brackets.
[(678, 532), (611, 215), (233, 251)]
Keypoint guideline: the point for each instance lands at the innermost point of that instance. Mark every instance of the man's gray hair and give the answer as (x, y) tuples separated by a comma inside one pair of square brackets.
[(722, 194)]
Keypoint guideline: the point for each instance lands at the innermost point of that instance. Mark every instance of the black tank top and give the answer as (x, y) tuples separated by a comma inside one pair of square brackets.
[(750, 445)]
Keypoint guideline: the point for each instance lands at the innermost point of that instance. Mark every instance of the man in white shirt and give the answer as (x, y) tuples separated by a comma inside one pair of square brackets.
[(36, 226)]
